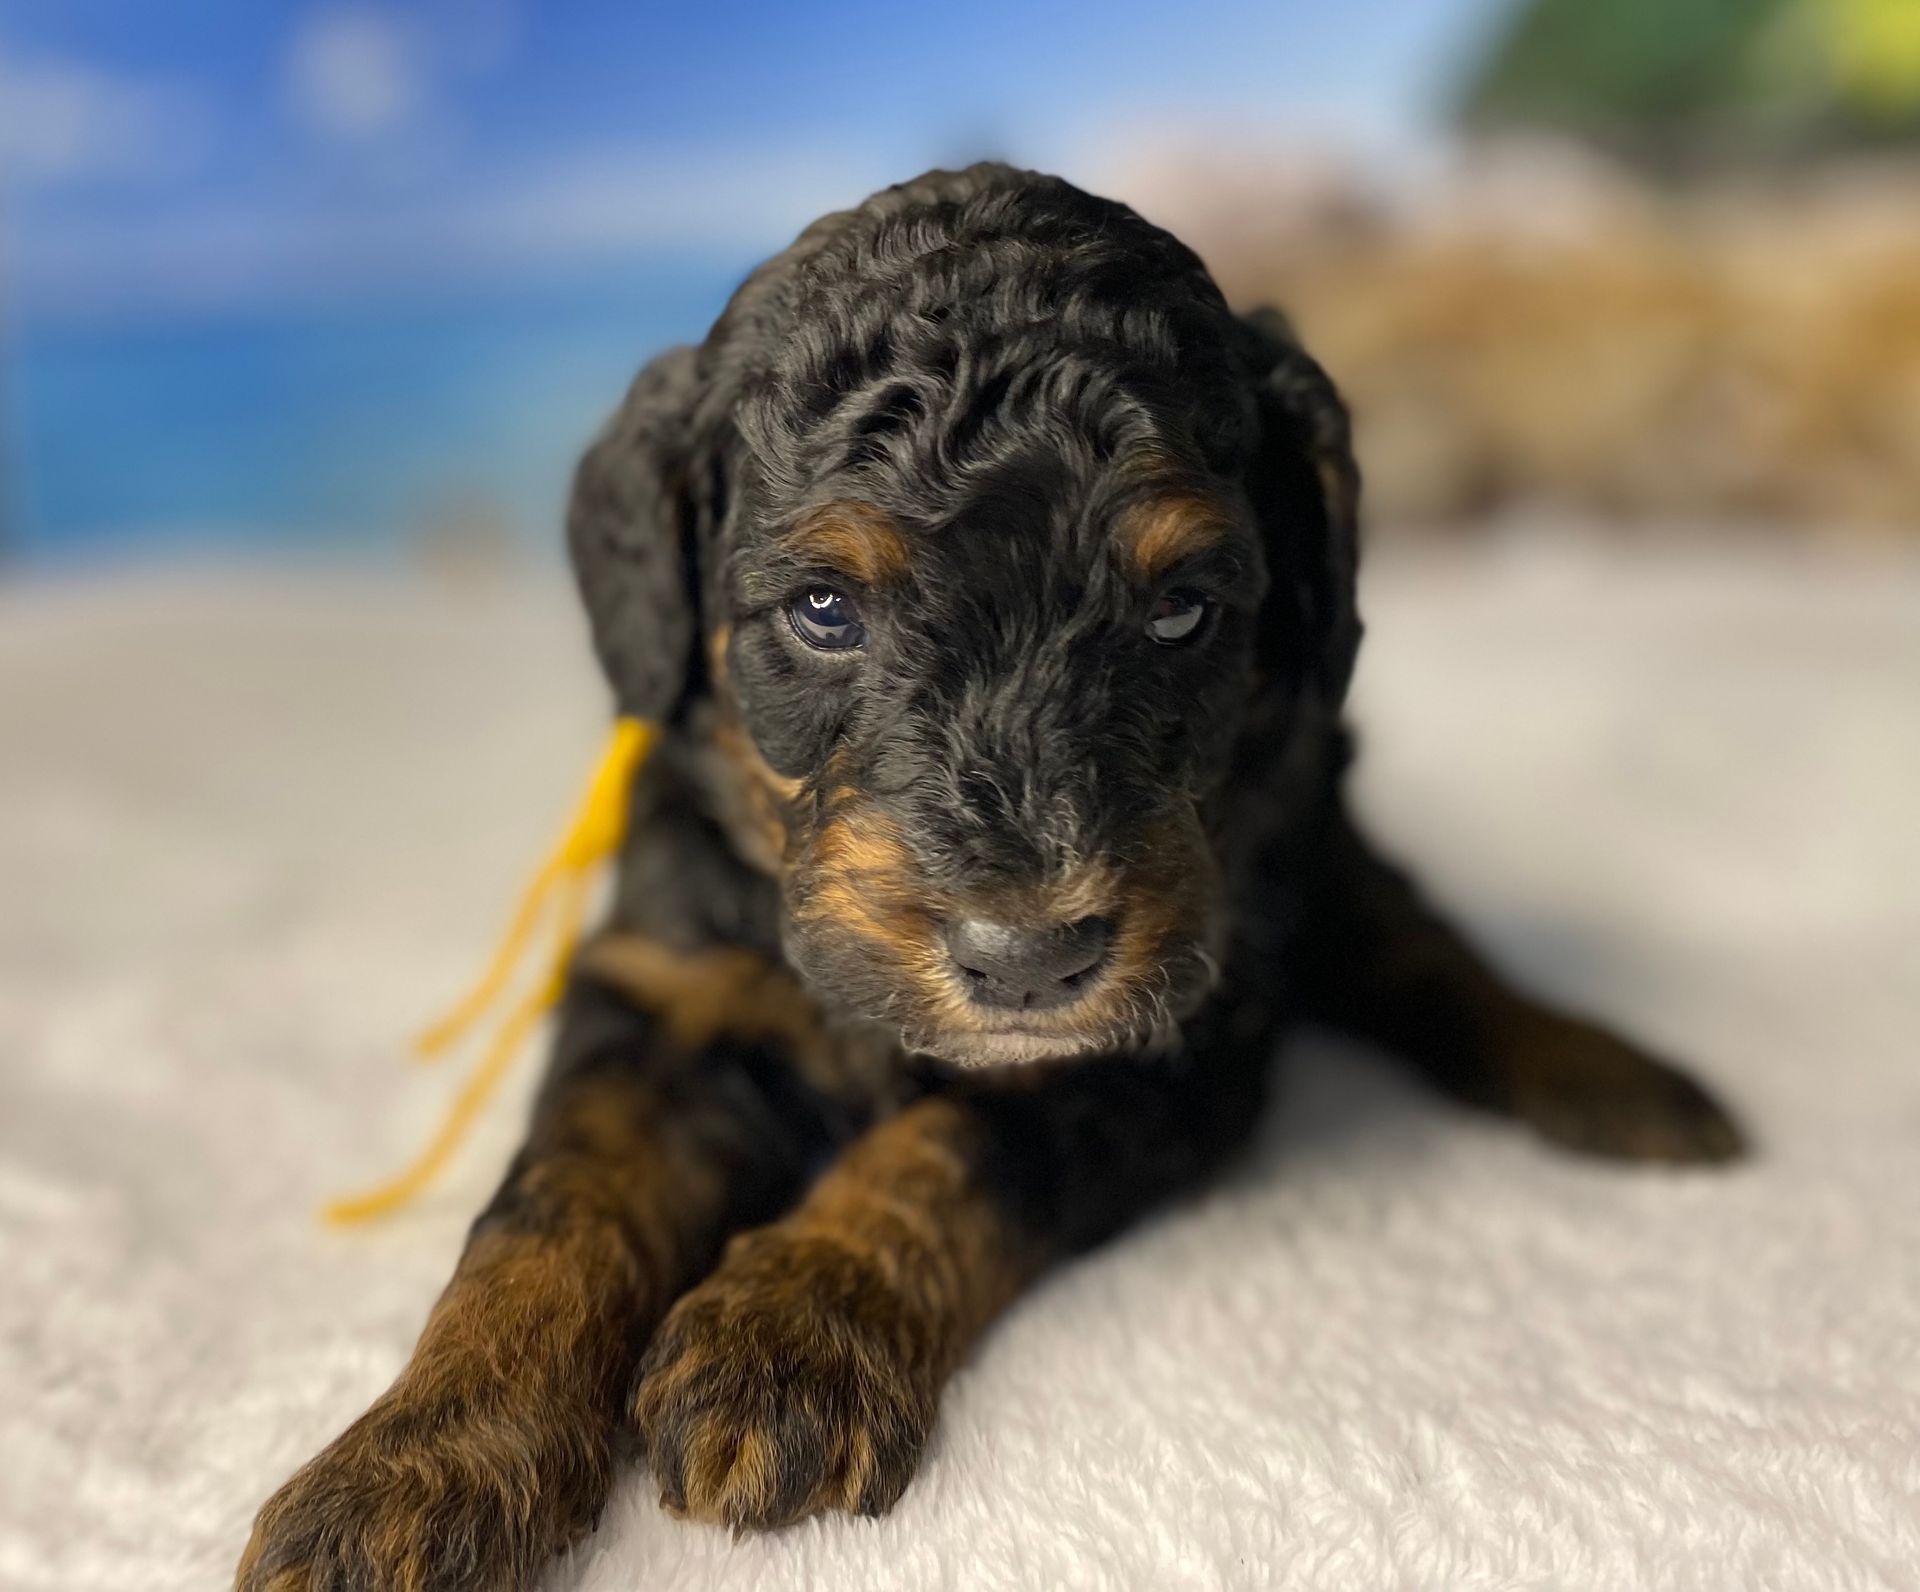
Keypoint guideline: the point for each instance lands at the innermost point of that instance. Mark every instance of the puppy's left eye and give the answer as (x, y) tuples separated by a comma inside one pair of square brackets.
[(827, 619), (1178, 618)]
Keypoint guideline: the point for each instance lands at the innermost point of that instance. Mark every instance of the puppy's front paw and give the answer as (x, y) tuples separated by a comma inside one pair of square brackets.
[(428, 1495), (784, 1385), (1592, 1092)]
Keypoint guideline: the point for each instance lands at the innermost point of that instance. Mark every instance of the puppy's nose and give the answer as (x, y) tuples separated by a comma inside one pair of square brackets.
[(1027, 969)]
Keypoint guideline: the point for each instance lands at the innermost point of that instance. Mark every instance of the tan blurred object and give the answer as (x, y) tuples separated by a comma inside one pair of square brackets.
[(1537, 325), (465, 540)]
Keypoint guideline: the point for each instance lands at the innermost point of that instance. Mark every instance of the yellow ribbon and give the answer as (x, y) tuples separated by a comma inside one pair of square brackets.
[(565, 878)]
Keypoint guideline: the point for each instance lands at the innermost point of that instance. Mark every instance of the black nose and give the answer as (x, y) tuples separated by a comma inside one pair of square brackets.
[(1027, 969)]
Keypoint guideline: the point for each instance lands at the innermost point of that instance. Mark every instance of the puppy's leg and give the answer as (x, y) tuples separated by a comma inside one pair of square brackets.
[(655, 1132), (1377, 962), (803, 1374)]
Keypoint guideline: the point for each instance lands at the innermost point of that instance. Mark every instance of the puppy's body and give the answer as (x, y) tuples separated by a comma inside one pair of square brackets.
[(995, 586)]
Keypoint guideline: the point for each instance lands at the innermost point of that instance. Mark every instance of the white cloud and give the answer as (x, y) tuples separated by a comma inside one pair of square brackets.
[(356, 73), (65, 123)]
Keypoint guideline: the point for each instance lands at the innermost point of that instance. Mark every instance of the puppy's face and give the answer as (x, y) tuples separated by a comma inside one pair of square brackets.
[(986, 736)]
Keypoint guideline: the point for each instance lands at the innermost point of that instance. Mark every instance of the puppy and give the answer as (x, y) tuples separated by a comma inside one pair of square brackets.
[(994, 584)]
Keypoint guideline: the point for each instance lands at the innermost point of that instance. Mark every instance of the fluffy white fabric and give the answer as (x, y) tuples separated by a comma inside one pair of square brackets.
[(251, 831)]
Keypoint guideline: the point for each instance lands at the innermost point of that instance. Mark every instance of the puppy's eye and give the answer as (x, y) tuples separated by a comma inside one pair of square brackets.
[(827, 619), (1178, 618)]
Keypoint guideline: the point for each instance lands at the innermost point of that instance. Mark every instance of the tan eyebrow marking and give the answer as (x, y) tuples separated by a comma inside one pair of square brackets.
[(1163, 531), (853, 537)]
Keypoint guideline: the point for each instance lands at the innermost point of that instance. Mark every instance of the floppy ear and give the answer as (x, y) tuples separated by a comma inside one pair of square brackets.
[(641, 496), (1305, 488)]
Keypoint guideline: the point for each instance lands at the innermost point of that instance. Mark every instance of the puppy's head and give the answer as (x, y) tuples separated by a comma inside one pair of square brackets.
[(985, 638)]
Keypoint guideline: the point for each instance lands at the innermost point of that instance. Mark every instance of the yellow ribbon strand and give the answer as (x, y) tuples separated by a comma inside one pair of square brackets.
[(438, 1038), (598, 828)]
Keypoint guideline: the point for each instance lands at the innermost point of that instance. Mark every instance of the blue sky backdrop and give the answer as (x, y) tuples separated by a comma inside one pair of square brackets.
[(316, 274)]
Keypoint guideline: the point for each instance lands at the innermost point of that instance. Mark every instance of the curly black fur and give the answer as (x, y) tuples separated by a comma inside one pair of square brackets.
[(1003, 366)]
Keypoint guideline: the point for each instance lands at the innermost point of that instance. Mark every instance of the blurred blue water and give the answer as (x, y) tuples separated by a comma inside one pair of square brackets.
[(330, 430)]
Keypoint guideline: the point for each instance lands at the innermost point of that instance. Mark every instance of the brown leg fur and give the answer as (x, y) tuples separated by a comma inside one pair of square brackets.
[(1378, 963), (497, 1445), (804, 1373)]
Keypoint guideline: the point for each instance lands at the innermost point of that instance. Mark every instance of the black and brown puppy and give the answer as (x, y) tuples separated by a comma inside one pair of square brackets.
[(996, 586)]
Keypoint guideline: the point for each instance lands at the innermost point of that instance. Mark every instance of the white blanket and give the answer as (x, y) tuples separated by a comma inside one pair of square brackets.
[(251, 830)]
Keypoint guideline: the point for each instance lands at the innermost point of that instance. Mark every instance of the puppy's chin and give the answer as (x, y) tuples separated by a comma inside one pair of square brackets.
[(964, 1048)]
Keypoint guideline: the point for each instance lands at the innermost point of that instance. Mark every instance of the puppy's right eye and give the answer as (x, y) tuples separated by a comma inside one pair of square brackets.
[(827, 619)]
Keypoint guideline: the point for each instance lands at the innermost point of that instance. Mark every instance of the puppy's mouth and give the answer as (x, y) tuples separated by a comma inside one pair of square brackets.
[(943, 1009), (1006, 1046), (946, 1014), (1114, 1015)]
